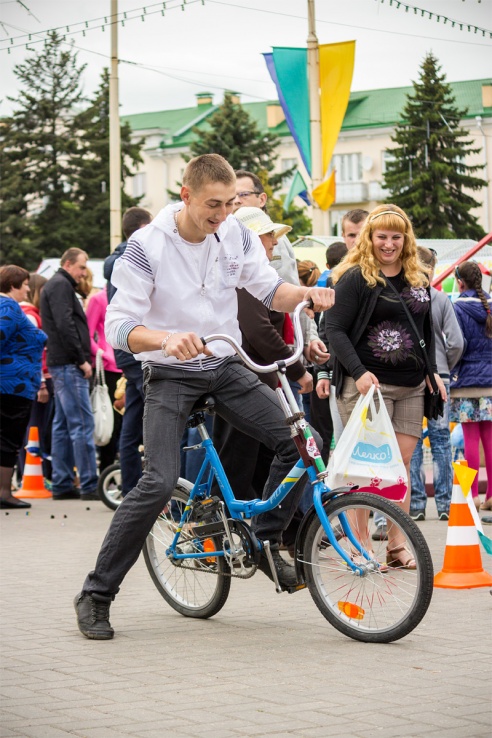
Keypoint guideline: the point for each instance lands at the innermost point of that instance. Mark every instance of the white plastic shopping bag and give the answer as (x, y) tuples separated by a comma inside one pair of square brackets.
[(102, 407), (367, 453)]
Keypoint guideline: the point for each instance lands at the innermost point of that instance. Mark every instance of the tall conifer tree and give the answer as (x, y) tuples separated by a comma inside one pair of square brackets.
[(38, 154), (234, 134), (430, 178), (91, 173)]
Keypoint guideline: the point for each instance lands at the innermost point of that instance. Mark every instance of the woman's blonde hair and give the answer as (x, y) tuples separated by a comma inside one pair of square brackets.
[(385, 218), (308, 272)]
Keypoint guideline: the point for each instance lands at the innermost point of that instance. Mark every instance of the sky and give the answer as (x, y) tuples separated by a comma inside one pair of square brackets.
[(212, 45)]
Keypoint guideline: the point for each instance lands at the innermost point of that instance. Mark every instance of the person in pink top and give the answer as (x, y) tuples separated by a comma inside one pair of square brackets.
[(96, 313)]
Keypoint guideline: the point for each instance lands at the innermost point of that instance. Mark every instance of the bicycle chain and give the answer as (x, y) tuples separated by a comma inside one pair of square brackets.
[(217, 574)]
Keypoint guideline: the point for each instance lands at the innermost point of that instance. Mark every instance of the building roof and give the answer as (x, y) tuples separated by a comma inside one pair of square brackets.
[(366, 109)]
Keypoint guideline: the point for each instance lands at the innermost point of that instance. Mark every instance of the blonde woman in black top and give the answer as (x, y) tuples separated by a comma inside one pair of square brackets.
[(371, 336)]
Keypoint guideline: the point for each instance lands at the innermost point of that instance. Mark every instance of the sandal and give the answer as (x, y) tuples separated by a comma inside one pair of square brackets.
[(400, 558), (359, 559)]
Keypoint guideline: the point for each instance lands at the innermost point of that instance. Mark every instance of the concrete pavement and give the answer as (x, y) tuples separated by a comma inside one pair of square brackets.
[(266, 665)]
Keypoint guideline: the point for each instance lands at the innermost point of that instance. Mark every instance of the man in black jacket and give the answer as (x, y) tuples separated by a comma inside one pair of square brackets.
[(131, 436), (69, 357)]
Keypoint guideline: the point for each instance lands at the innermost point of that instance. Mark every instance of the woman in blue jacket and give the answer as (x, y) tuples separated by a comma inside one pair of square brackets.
[(21, 346), (471, 378)]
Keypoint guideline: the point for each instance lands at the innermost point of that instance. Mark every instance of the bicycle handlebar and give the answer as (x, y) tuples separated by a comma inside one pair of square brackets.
[(261, 369)]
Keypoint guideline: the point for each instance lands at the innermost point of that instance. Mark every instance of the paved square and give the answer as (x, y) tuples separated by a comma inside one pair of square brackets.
[(266, 665)]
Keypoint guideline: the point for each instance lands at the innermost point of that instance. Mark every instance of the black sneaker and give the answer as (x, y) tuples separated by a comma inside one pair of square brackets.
[(93, 616), (72, 494), (286, 573), (443, 515), (417, 515), (90, 496)]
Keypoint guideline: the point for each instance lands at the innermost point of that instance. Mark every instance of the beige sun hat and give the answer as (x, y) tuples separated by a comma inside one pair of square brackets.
[(258, 221)]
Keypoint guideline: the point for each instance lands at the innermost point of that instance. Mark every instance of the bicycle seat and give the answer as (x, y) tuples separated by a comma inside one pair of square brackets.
[(204, 404)]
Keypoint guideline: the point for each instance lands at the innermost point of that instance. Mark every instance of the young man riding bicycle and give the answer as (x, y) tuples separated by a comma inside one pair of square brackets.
[(176, 282)]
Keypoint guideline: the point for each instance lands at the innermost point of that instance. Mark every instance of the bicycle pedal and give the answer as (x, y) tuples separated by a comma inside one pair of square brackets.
[(295, 588), (204, 509)]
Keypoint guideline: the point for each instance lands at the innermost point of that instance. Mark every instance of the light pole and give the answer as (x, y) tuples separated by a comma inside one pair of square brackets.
[(314, 115), (478, 118), (114, 137)]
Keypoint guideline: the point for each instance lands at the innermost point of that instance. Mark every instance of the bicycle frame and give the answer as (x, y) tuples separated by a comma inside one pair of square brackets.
[(310, 462)]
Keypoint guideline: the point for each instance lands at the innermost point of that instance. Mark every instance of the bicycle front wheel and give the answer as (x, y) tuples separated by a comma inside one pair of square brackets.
[(389, 599), (197, 588)]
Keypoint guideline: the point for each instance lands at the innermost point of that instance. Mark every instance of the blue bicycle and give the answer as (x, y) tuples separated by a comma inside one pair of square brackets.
[(201, 541)]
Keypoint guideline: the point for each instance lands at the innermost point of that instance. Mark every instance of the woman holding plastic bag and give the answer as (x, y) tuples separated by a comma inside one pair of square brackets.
[(376, 347)]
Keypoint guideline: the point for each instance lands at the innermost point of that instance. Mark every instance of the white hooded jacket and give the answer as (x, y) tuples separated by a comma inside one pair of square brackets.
[(165, 283)]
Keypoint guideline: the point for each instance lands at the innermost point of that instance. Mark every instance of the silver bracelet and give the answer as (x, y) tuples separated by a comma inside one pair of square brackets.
[(163, 344)]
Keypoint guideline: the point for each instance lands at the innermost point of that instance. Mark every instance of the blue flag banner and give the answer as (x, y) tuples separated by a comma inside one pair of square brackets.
[(288, 70)]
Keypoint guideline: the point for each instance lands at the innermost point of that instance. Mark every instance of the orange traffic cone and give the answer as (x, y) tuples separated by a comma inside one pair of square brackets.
[(33, 480), (462, 568)]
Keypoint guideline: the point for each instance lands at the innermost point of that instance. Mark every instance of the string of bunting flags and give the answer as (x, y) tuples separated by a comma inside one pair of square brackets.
[(83, 27), (438, 17)]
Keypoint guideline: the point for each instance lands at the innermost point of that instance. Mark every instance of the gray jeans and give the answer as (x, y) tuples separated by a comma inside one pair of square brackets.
[(170, 392)]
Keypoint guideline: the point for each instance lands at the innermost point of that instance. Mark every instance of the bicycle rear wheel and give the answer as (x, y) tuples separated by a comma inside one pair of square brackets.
[(386, 602), (196, 588)]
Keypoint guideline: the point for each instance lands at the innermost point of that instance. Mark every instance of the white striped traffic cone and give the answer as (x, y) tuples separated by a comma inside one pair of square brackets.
[(33, 480), (462, 568)]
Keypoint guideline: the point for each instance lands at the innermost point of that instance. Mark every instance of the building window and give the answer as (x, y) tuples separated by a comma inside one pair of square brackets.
[(348, 167), (139, 184), (285, 165), (336, 222), (386, 156)]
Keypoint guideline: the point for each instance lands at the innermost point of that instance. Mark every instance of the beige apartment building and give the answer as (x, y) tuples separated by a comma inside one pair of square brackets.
[(360, 156)]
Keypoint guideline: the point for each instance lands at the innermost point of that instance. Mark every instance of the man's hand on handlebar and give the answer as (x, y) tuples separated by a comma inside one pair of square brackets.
[(323, 298), (186, 346)]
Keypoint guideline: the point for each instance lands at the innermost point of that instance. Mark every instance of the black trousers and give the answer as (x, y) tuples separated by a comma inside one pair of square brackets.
[(245, 459), (15, 412)]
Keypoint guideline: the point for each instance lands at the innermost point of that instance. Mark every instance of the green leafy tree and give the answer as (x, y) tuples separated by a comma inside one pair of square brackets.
[(91, 172), (429, 177), (38, 154)]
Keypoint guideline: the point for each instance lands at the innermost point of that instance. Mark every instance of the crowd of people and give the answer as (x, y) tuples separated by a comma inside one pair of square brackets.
[(203, 266)]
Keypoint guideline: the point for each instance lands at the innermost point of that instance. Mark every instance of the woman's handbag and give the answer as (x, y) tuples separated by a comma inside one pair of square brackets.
[(433, 402), (102, 408), (367, 454)]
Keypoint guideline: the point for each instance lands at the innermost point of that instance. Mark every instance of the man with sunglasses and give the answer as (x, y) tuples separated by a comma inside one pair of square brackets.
[(251, 193)]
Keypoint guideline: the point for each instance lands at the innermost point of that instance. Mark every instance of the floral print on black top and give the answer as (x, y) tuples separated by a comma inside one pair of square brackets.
[(389, 348)]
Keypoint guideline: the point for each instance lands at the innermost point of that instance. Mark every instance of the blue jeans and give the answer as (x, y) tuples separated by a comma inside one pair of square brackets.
[(170, 392), (440, 442), (72, 435), (131, 436)]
